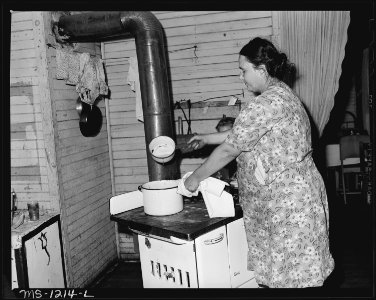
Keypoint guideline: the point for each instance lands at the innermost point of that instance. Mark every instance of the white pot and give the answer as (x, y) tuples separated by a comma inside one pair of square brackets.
[(161, 198)]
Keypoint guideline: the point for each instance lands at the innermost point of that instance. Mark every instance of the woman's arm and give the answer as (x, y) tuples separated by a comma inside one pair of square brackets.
[(219, 158), (200, 140)]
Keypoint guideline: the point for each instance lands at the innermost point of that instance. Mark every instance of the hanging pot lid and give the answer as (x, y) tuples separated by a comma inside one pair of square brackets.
[(91, 120)]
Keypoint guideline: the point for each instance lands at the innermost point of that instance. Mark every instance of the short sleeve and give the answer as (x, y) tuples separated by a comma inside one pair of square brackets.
[(254, 121)]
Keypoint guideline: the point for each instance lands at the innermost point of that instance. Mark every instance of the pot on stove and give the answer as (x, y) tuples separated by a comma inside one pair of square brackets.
[(161, 198)]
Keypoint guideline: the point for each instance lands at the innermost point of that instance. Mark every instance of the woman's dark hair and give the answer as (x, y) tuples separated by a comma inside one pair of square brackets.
[(260, 51)]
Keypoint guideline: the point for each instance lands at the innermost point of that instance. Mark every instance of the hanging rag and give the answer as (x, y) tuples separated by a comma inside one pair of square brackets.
[(133, 80), (68, 65), (83, 71), (91, 82), (219, 203)]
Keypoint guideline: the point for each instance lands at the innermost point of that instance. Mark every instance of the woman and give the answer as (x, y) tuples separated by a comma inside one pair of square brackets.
[(281, 192)]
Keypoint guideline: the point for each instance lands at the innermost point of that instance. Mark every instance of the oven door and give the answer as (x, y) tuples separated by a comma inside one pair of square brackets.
[(212, 259), (238, 250)]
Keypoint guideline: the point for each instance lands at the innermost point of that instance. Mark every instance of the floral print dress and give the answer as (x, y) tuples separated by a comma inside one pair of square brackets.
[(281, 192)]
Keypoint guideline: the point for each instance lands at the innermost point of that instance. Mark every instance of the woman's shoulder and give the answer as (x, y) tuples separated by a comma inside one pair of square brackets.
[(280, 91), (277, 88)]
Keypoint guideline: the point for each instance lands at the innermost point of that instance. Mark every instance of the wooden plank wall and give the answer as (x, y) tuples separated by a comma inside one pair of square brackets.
[(51, 161), (202, 49), (28, 157), (85, 181)]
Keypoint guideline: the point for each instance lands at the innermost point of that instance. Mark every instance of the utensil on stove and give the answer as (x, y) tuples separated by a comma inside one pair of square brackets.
[(161, 198)]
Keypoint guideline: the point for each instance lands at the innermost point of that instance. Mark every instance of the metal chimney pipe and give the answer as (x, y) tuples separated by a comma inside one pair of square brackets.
[(156, 103)]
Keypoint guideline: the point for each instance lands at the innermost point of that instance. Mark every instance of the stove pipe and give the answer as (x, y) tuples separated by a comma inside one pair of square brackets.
[(147, 30)]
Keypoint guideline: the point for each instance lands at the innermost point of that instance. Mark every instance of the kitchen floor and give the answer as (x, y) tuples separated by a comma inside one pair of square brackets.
[(351, 246)]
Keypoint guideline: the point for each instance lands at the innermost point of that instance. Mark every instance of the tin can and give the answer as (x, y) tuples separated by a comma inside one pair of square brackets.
[(33, 209)]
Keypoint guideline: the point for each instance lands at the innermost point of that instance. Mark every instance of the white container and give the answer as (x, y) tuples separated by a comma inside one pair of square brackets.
[(162, 149), (161, 197)]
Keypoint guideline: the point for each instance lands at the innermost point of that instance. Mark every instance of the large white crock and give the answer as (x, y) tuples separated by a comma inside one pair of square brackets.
[(161, 198)]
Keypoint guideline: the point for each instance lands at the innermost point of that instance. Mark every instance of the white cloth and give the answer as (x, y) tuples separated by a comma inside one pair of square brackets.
[(68, 65), (91, 81), (83, 71), (182, 190), (133, 80), (218, 202)]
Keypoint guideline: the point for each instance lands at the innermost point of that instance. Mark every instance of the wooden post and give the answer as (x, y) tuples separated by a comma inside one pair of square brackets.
[(113, 191), (41, 30)]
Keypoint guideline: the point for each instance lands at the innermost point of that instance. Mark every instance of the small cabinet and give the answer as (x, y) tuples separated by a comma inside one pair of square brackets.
[(37, 257)]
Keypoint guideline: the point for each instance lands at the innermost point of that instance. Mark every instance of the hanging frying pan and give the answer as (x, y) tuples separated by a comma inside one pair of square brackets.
[(91, 119)]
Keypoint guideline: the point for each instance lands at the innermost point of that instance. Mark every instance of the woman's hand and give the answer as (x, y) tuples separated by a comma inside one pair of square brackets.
[(198, 141), (191, 183)]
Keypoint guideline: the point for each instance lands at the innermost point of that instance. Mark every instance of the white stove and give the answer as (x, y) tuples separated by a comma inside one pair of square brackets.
[(216, 259), (189, 249)]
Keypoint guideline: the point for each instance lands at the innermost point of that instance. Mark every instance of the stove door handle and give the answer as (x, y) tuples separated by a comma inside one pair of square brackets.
[(172, 239), (215, 240), (178, 241), (138, 232)]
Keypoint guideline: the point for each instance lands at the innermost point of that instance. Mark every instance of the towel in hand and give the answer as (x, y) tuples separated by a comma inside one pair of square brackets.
[(218, 202), (182, 190)]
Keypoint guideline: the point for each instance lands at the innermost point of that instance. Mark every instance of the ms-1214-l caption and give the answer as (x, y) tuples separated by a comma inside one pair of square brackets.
[(52, 293)]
